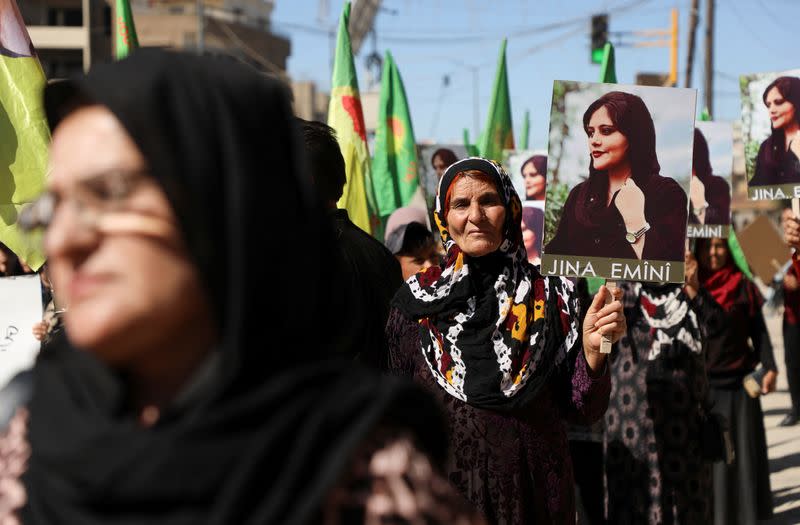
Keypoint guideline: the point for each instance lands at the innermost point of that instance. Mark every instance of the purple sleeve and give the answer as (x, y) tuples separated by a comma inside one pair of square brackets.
[(589, 395)]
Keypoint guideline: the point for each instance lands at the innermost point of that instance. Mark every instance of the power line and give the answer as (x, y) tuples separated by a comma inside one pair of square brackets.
[(435, 37)]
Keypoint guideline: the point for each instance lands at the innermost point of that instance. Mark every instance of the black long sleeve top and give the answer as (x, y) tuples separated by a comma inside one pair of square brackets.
[(734, 341)]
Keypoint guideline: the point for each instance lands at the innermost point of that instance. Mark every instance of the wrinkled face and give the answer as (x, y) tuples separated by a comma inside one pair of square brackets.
[(781, 111), (476, 216), (439, 166), (115, 254), (607, 145), (716, 256), (413, 263), (534, 182)]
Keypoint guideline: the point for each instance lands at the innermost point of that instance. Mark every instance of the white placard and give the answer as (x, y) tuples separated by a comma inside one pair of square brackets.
[(20, 309)]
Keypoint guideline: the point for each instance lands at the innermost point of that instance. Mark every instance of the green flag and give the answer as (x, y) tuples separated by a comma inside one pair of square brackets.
[(705, 116), (126, 40), (472, 150), (394, 166), (526, 126), (346, 116), (737, 254), (24, 133), (498, 134), (608, 72)]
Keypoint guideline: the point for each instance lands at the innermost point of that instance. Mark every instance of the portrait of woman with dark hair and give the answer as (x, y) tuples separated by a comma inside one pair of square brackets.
[(778, 160), (532, 228), (709, 194), (626, 209), (441, 159), (533, 172)]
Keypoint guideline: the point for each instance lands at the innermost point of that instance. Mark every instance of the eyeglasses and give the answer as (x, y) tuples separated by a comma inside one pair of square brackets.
[(90, 198)]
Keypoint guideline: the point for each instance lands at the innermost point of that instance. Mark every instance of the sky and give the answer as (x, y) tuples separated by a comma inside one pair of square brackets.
[(460, 40)]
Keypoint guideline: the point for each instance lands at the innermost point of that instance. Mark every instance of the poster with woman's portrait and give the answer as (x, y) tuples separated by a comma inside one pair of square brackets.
[(619, 163), (527, 169), (433, 160), (771, 134), (710, 188), (533, 229)]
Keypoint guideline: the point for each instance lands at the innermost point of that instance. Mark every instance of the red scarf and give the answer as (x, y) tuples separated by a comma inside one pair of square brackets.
[(724, 286)]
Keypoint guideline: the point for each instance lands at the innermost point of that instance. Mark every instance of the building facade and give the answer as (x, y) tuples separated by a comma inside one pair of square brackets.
[(70, 35)]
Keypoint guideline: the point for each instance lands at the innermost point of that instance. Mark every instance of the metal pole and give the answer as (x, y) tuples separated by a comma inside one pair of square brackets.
[(201, 27), (709, 87), (86, 5), (690, 48)]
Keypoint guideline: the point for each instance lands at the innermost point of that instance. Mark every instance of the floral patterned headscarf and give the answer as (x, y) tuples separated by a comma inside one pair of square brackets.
[(492, 329)]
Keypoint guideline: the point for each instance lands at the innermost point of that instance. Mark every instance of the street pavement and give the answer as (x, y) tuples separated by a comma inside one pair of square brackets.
[(783, 443)]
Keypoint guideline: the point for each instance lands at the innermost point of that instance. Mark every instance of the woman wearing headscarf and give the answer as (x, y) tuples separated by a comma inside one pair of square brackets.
[(626, 208), (192, 384), (710, 195), (655, 468), (778, 160), (728, 306), (501, 347)]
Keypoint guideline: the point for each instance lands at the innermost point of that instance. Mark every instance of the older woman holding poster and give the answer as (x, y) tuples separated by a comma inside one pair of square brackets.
[(501, 347), (625, 209), (778, 160)]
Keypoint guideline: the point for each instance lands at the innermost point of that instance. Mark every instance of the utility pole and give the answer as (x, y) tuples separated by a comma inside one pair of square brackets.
[(709, 87), (673, 50), (693, 17)]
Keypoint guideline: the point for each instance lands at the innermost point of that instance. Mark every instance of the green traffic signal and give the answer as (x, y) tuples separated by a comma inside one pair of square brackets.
[(599, 37)]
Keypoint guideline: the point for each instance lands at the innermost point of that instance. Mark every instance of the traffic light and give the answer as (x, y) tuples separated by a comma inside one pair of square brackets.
[(599, 37)]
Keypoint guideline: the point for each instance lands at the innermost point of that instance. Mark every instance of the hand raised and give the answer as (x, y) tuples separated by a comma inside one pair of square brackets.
[(630, 203), (791, 231), (603, 320)]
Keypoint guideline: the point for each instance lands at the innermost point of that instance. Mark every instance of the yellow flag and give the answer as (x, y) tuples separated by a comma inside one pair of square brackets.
[(346, 116), (24, 133)]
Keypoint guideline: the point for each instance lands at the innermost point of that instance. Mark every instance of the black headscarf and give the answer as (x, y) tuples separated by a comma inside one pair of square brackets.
[(275, 429)]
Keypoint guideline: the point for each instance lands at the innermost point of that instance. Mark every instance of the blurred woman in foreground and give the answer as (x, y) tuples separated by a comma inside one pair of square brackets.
[(193, 385)]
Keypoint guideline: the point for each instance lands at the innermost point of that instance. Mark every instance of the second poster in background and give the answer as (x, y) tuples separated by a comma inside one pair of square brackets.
[(619, 167), (771, 134), (528, 170), (710, 189), (433, 160)]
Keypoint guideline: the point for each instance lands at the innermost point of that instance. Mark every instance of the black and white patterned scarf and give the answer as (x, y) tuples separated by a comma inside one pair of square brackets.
[(664, 311)]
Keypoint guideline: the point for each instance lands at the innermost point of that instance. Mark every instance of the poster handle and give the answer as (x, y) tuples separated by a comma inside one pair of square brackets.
[(796, 207)]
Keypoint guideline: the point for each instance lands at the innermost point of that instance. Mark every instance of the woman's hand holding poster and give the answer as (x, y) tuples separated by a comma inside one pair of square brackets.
[(619, 167)]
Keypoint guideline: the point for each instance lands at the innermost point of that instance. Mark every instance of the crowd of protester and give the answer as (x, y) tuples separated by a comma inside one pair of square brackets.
[(225, 356)]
